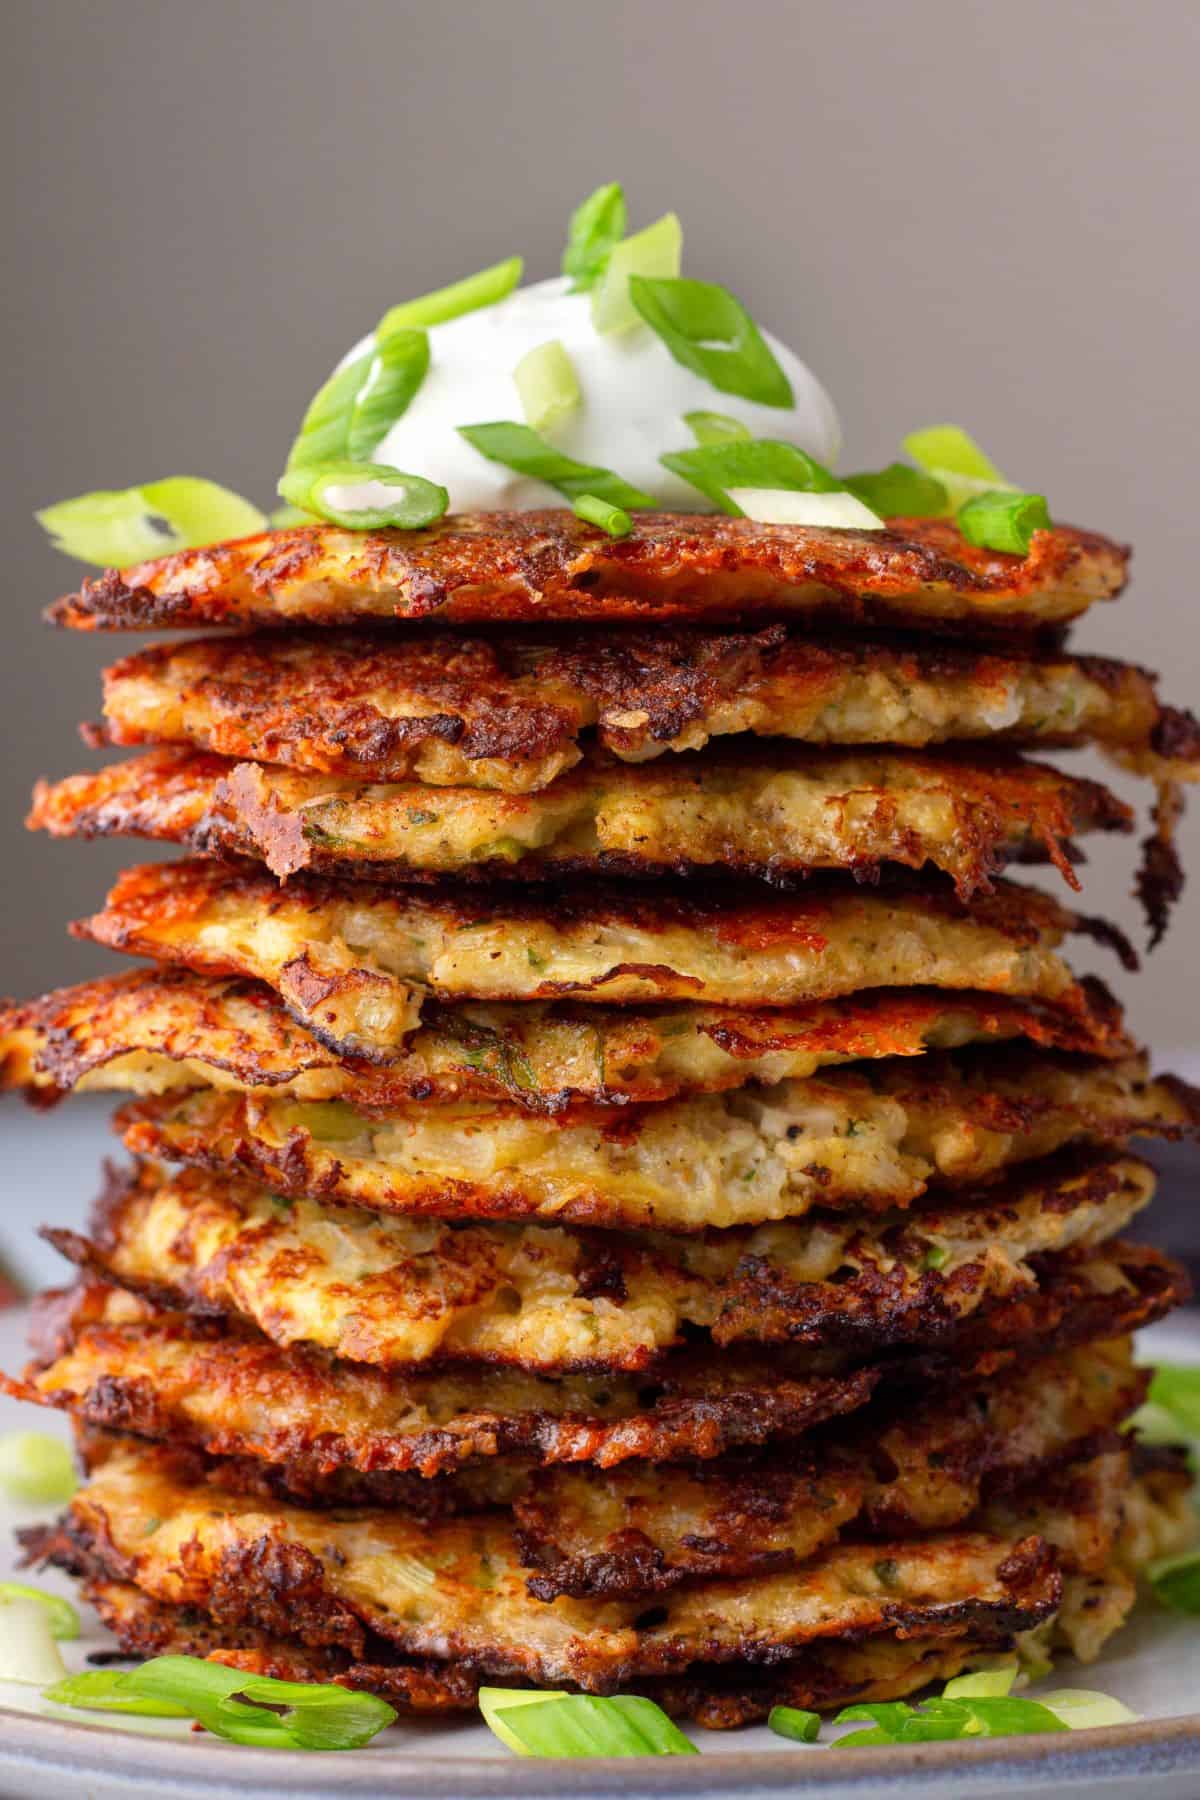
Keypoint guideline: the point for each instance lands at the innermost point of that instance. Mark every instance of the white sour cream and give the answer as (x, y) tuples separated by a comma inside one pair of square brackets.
[(634, 397)]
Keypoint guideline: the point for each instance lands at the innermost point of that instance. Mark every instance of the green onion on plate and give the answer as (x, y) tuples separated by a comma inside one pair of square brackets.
[(468, 295), (578, 1725), (246, 1709), (1176, 1581), (708, 330), (520, 448), (61, 1616), (793, 1722), (36, 1468), (131, 525), (596, 227)]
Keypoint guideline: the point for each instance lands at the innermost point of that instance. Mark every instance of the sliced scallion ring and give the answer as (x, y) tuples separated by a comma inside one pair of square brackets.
[(131, 525), (657, 251), (795, 1723), (365, 496), (1002, 520), (785, 506), (518, 447), (596, 227), (394, 374), (61, 1616), (28, 1651), (988, 1684), (613, 519), (474, 291), (708, 330), (952, 456), (1083, 1709), (548, 385)]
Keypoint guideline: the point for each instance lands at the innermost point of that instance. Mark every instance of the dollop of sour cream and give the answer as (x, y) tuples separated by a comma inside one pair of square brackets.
[(634, 397)]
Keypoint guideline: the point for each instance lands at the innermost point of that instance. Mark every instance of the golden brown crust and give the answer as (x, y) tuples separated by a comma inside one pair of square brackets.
[(152, 1031), (392, 1291), (340, 1580), (354, 963), (864, 1138), (513, 712), (113, 1361), (470, 569), (772, 812)]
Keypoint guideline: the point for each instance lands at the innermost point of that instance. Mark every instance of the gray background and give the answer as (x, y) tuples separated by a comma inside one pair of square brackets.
[(974, 211)]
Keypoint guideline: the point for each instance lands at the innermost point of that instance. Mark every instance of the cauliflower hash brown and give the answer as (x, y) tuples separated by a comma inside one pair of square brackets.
[(866, 1137), (155, 1031), (355, 963), (390, 1290), (548, 566), (514, 712)]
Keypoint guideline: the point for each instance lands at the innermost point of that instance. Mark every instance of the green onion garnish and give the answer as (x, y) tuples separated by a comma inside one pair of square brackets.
[(986, 1684), (1176, 1389), (356, 408), (900, 491), (895, 1722), (246, 1709), (365, 496), (285, 516), (548, 385), (613, 519), (28, 1651), (655, 251), (708, 330), (135, 524), (1176, 1581), (784, 506), (714, 427), (794, 1722), (61, 1616), (519, 448), (578, 1725), (36, 1468), (468, 295), (956, 460), (1083, 1709), (596, 227), (749, 463), (1002, 520)]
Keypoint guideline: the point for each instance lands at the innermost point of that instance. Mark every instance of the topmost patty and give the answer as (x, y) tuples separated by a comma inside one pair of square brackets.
[(472, 568)]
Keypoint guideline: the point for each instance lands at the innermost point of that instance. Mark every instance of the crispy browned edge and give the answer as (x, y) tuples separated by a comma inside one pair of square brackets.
[(549, 565)]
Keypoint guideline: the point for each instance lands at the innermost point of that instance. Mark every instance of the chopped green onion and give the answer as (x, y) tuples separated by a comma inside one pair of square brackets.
[(794, 1722), (246, 1709), (519, 448), (365, 496), (613, 519), (784, 506), (988, 1684), (900, 492), (1176, 1581), (396, 370), (136, 524), (715, 427), (60, 1614), (708, 330), (548, 385), (37, 1468), (596, 227), (1083, 1709), (358, 405), (1176, 1389), (657, 251), (949, 447), (28, 1652), (578, 1725), (474, 291), (1002, 520), (936, 1257), (749, 463), (939, 1720), (286, 515), (108, 1690)]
